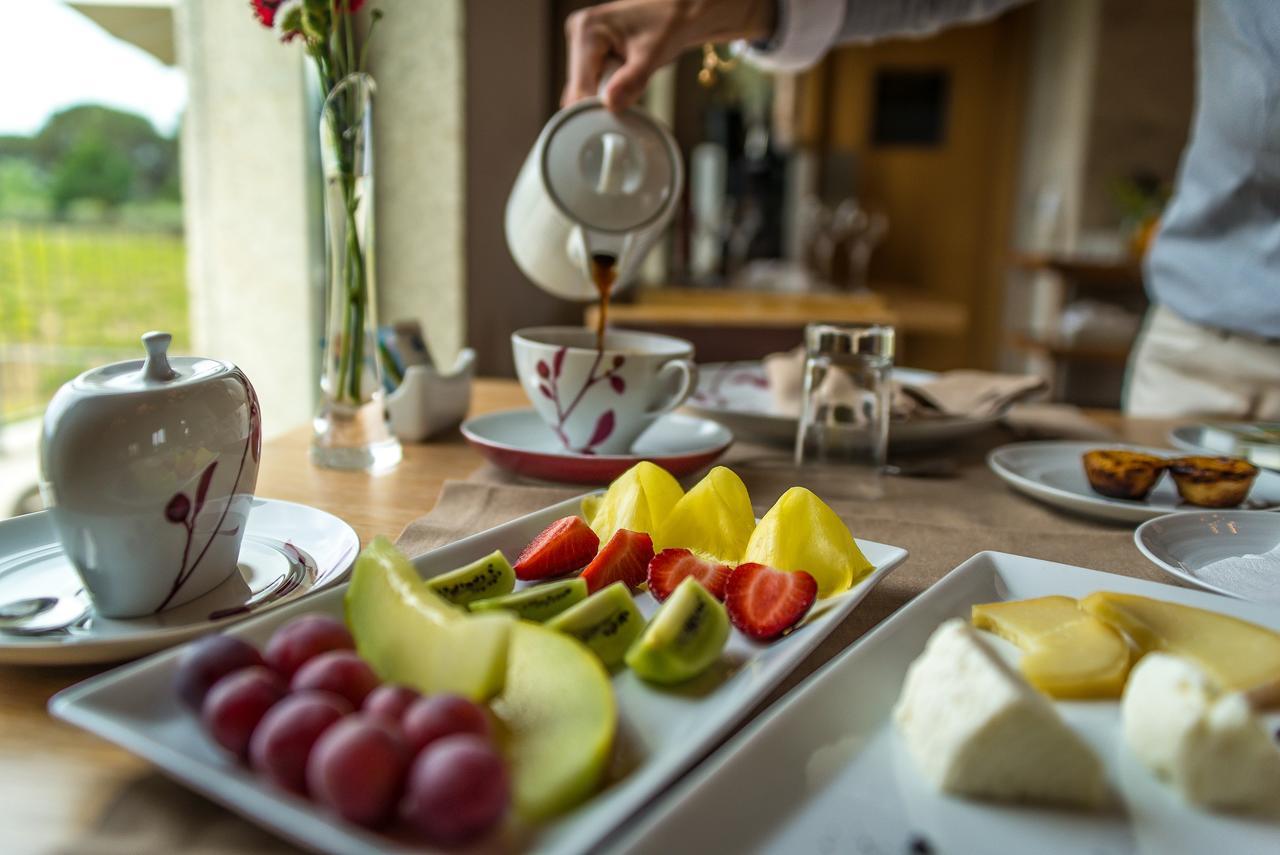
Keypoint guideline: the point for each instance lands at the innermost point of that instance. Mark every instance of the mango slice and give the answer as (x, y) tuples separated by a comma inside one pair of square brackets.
[(411, 635), (1238, 655), (713, 519), (800, 532), (1065, 652), (639, 500)]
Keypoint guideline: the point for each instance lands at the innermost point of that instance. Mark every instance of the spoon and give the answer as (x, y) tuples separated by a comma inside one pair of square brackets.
[(26, 609)]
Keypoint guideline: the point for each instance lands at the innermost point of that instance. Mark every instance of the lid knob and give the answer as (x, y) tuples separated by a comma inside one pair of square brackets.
[(157, 368)]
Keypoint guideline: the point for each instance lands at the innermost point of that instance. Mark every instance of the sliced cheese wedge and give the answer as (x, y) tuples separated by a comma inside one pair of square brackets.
[(975, 728), (1208, 745)]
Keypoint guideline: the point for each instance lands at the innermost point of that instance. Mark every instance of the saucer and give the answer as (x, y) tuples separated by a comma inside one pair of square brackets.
[(1191, 545), (288, 551), (519, 441)]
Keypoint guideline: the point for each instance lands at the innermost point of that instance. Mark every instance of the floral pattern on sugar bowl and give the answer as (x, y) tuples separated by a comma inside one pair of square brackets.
[(149, 468)]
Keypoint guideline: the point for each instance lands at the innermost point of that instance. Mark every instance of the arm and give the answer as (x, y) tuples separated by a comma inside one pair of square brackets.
[(644, 35), (806, 29)]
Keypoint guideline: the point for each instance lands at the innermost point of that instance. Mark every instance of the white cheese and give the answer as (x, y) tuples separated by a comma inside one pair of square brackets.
[(975, 727), (1209, 745)]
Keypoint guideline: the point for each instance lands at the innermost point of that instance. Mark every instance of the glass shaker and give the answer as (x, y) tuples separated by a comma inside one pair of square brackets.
[(844, 414)]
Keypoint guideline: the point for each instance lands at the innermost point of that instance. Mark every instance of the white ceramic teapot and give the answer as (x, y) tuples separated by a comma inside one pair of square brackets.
[(149, 467), (595, 182)]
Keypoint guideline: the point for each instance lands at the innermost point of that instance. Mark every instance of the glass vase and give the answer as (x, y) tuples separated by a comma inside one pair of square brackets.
[(350, 427)]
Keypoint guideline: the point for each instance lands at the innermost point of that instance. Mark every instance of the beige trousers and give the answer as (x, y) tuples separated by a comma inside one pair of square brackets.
[(1180, 368)]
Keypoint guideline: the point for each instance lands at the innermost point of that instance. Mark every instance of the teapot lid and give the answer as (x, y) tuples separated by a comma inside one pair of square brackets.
[(609, 172), (158, 370)]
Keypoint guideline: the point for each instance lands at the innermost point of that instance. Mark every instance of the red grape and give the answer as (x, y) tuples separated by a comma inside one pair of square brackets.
[(390, 701), (357, 769), (342, 672), (236, 704), (206, 662), (431, 718), (283, 740), (458, 789), (299, 641)]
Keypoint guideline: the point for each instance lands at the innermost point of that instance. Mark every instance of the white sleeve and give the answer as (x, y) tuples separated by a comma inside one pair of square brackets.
[(807, 29)]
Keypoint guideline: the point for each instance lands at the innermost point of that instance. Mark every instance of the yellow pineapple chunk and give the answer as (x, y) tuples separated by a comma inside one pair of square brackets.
[(1238, 655), (1065, 652)]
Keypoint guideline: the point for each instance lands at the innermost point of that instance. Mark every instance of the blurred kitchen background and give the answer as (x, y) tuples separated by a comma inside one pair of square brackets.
[(989, 191)]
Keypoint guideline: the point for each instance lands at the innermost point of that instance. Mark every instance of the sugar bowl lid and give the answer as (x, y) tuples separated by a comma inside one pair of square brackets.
[(157, 371)]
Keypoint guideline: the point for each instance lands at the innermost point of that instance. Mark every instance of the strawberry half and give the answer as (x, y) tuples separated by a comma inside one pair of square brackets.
[(764, 602), (669, 567), (562, 547), (625, 558)]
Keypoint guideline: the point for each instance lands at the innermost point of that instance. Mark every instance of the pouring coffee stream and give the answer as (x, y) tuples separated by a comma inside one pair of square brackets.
[(604, 272)]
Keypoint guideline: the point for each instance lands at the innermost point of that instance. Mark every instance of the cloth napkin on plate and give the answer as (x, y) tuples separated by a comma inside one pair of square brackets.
[(970, 394)]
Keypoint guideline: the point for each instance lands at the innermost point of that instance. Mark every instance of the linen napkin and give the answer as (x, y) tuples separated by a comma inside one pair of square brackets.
[(967, 393)]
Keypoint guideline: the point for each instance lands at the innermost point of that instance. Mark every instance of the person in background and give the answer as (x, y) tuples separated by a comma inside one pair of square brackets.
[(1211, 342)]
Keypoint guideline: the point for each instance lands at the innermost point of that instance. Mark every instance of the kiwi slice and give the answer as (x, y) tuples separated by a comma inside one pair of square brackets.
[(607, 622), (684, 638), (491, 576), (537, 603)]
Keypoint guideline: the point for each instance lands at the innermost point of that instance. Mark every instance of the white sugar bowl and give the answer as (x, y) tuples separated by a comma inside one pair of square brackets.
[(148, 468)]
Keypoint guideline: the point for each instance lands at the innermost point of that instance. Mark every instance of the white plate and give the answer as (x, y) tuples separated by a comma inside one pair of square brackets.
[(736, 394), (1192, 438), (288, 551), (1184, 544), (1053, 472), (662, 733), (823, 770)]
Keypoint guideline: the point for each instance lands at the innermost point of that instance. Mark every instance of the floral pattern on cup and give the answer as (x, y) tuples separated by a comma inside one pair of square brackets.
[(549, 388)]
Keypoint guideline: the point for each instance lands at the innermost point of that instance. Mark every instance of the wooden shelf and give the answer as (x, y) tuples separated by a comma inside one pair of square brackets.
[(1097, 354), (728, 308), (1087, 271)]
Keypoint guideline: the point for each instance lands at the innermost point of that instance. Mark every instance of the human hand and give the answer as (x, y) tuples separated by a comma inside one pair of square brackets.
[(644, 35)]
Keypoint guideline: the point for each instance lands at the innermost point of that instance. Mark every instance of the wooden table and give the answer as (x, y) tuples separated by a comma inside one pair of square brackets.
[(56, 781)]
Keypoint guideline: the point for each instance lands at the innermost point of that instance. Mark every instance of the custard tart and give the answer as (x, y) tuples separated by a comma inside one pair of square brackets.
[(1122, 474), (1213, 482)]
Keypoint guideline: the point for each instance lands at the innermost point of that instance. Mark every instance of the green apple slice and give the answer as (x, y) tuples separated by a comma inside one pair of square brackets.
[(410, 635), (560, 718)]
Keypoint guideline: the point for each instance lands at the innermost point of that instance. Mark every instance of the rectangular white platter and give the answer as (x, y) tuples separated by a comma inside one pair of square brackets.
[(824, 771), (662, 733)]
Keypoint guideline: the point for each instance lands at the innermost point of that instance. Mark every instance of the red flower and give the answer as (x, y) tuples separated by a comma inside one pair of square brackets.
[(352, 6), (265, 10)]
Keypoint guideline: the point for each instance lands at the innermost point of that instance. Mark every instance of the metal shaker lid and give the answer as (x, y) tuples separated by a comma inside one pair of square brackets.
[(610, 172)]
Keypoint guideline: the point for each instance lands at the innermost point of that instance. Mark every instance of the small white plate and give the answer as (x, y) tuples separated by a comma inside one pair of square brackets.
[(662, 733), (1053, 472), (823, 770), (1184, 544), (520, 441), (288, 551), (736, 394)]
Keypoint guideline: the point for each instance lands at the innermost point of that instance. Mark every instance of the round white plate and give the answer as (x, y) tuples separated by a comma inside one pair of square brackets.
[(1053, 472), (736, 394), (289, 550), (1191, 438), (1183, 545)]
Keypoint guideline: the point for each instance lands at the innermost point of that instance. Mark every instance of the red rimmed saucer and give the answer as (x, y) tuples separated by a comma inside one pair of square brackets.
[(519, 441)]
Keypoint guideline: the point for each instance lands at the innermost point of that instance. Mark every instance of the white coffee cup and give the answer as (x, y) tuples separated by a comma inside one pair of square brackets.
[(598, 402)]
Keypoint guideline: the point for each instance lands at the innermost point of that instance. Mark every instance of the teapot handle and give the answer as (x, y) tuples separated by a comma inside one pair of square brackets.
[(610, 68)]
